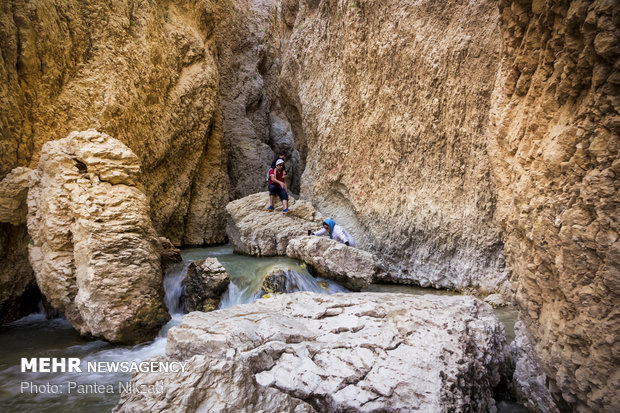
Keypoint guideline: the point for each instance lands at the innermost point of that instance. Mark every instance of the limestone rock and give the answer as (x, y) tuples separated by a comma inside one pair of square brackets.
[(343, 352), (169, 254), (19, 295), (529, 381), (554, 148), (495, 300), (254, 231), (400, 160), (13, 192), (94, 252), (353, 268), (205, 282), (145, 73)]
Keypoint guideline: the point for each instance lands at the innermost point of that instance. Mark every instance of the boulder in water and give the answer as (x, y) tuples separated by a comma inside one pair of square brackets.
[(204, 284), (288, 280), (341, 352), (94, 250), (351, 267), (169, 254)]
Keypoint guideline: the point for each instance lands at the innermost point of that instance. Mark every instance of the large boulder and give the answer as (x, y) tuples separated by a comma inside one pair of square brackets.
[(343, 352), (254, 231), (94, 250), (205, 282), (351, 267)]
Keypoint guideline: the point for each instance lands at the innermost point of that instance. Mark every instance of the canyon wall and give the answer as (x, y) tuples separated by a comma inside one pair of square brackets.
[(144, 72), (438, 132), (554, 141), (389, 103)]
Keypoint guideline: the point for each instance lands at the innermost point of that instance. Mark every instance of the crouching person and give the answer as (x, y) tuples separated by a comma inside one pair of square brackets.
[(336, 232)]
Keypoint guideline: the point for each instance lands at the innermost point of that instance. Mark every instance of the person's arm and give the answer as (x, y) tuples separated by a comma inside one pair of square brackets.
[(320, 232), (274, 179), (284, 176)]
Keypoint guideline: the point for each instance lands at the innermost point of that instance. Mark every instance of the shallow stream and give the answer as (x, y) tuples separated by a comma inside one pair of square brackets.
[(35, 336)]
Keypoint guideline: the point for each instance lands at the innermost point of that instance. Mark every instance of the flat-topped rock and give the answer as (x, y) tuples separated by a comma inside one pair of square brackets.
[(306, 352), (253, 230), (351, 267)]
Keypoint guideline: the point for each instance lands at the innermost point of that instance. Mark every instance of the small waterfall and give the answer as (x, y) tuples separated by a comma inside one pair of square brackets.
[(173, 289), (288, 280)]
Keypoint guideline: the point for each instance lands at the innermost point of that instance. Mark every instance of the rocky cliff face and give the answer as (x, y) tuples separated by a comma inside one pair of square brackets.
[(143, 72), (554, 144), (389, 101), (94, 250), (427, 129), (19, 294)]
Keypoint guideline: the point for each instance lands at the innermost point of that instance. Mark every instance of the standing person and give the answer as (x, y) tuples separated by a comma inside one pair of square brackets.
[(277, 186), (336, 232)]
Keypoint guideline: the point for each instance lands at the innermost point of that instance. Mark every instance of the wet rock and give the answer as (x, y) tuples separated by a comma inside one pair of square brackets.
[(94, 250), (351, 267), (529, 381), (495, 300), (275, 282), (205, 282), (342, 352), (169, 254), (254, 231)]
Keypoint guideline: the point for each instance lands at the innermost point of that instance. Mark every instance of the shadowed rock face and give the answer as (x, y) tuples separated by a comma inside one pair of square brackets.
[(205, 282), (554, 142), (343, 352), (94, 250), (19, 295)]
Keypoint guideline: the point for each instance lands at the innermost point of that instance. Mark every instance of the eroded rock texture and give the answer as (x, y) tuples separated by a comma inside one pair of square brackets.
[(205, 282), (389, 103), (19, 295), (345, 352), (351, 267), (94, 250), (254, 231), (554, 149), (144, 72), (529, 381)]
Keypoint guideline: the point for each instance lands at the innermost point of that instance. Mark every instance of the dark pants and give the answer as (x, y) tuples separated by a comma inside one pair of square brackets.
[(275, 189)]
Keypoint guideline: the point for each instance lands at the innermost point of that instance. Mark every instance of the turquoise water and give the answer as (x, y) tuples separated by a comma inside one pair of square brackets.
[(34, 336)]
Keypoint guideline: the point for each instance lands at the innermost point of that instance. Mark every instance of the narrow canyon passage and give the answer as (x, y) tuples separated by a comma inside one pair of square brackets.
[(466, 146)]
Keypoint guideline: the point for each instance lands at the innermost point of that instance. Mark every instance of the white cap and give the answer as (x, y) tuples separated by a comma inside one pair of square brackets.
[(279, 161)]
